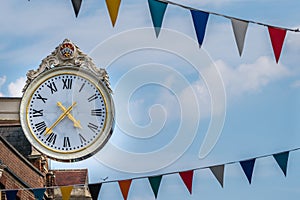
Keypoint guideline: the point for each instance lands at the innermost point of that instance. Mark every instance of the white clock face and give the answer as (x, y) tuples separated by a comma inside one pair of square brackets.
[(68, 114)]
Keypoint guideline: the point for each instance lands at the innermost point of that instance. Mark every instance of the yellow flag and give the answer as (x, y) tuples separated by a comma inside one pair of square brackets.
[(113, 9), (66, 192)]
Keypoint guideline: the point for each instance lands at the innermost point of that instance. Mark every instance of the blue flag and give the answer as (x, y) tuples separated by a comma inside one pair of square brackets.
[(282, 160), (11, 194), (76, 5), (200, 20), (247, 167), (155, 183), (94, 190), (39, 193), (157, 11)]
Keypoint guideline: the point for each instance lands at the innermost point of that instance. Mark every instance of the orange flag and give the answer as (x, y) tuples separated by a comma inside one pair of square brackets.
[(66, 192), (124, 186), (113, 9)]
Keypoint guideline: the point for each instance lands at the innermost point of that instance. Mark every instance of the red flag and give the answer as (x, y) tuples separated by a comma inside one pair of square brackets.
[(187, 178), (124, 186), (277, 36)]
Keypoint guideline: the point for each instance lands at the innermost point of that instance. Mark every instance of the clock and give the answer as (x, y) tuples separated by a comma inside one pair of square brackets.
[(67, 112)]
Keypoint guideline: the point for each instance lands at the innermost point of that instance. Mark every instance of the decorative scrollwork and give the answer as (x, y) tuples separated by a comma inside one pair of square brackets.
[(68, 54)]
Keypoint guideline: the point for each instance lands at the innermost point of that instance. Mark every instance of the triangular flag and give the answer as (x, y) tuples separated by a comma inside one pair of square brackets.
[(66, 192), (248, 166), (218, 172), (76, 5), (277, 36), (200, 20), (157, 11), (187, 178), (239, 29), (282, 160), (124, 186), (39, 193), (155, 183), (113, 9), (11, 194), (94, 190)]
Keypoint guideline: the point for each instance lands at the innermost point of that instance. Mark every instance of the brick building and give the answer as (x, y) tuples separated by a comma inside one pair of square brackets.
[(22, 167)]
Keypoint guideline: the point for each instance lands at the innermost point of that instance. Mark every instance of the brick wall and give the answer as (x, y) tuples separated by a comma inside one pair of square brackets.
[(17, 164), (15, 136), (10, 182)]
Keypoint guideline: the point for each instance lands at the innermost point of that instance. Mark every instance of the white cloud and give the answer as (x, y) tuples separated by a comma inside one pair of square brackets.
[(202, 97), (296, 84), (15, 88), (293, 41), (251, 77), (2, 81), (246, 78)]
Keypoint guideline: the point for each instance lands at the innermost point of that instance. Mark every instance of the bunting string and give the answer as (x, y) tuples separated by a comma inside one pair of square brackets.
[(158, 8), (113, 7), (247, 166), (200, 18), (227, 16)]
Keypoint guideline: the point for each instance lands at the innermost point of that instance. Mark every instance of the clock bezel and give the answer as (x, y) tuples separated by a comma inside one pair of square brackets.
[(72, 155)]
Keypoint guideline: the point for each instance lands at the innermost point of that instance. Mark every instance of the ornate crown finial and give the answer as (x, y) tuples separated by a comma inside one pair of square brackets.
[(67, 54)]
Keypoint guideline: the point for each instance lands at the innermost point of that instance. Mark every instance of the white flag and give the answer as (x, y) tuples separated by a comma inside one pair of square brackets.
[(239, 29)]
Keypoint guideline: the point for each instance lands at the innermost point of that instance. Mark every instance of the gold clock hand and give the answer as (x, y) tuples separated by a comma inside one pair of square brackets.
[(63, 115), (70, 116)]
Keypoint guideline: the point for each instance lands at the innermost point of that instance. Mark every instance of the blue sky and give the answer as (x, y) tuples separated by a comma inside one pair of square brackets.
[(262, 110)]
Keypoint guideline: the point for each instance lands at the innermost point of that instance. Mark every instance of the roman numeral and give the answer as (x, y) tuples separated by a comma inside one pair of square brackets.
[(51, 138), (96, 112), (40, 127), (81, 87), (93, 97), (37, 113), (41, 98), (93, 127), (67, 142), (67, 83), (52, 87), (82, 139)]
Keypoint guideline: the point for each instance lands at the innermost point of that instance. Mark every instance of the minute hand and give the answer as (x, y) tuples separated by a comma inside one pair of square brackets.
[(63, 115), (76, 123)]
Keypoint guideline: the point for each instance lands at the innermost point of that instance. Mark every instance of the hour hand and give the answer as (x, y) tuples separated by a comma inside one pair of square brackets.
[(61, 117), (69, 115)]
